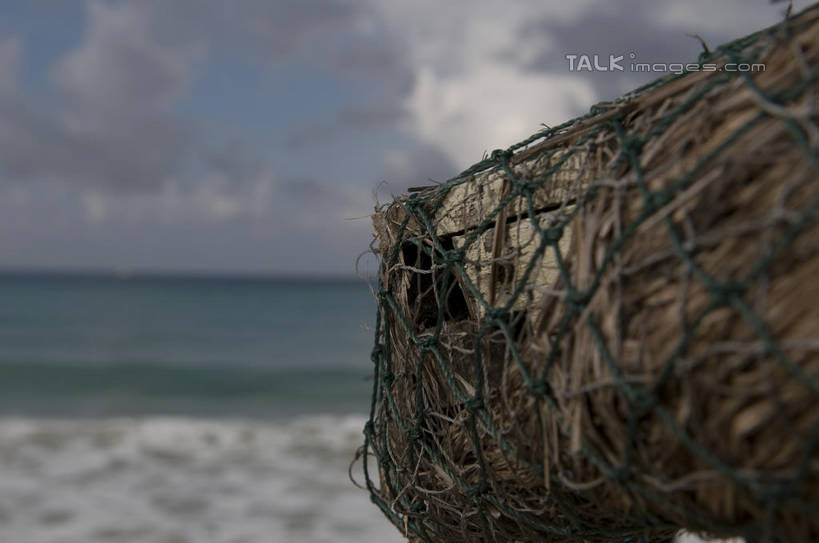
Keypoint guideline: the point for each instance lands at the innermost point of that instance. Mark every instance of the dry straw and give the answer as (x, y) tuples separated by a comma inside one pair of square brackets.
[(611, 330)]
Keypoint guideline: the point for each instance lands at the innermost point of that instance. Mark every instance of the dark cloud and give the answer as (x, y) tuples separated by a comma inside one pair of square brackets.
[(636, 26), (114, 124), (319, 201), (340, 124), (9, 65), (271, 29), (137, 154), (235, 160), (111, 146), (348, 38), (280, 28), (122, 68), (373, 117), (305, 190), (111, 125), (377, 60), (360, 49), (419, 165)]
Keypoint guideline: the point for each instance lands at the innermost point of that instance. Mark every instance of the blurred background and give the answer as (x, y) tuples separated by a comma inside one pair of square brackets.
[(184, 190)]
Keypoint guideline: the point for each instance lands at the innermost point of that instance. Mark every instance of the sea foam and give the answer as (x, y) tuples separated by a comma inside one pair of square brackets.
[(164, 479)]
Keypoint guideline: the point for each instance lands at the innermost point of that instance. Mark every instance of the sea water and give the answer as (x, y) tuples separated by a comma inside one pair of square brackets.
[(172, 409)]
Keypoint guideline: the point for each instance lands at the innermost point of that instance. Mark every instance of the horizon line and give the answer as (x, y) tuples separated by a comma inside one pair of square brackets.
[(145, 273)]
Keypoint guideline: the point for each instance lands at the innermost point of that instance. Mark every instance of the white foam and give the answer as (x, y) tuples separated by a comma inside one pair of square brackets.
[(179, 480), (183, 480)]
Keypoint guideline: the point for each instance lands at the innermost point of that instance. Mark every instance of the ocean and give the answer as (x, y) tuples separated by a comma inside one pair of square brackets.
[(183, 410)]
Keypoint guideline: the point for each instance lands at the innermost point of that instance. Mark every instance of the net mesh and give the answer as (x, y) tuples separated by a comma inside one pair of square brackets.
[(609, 330)]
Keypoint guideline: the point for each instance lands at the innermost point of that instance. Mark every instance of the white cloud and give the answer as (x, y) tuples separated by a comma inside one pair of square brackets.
[(211, 199), (449, 35), (492, 106), (96, 206), (472, 93)]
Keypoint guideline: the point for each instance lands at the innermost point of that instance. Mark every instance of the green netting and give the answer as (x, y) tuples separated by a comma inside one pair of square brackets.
[(431, 281)]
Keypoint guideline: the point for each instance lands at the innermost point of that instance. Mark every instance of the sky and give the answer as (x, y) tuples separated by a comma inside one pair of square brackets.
[(256, 136)]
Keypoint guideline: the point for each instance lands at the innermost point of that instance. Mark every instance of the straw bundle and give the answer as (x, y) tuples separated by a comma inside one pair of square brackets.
[(611, 329)]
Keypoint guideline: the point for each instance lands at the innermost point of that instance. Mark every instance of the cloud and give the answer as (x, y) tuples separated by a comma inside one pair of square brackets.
[(236, 161), (138, 156), (346, 121), (492, 106), (117, 155), (211, 199), (469, 96), (414, 166), (350, 39), (464, 33), (115, 124), (487, 78), (653, 31), (135, 182), (121, 69), (724, 20), (316, 205), (10, 54), (112, 125), (347, 38)]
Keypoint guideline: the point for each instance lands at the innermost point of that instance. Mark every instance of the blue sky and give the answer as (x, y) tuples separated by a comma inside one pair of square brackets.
[(250, 136)]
